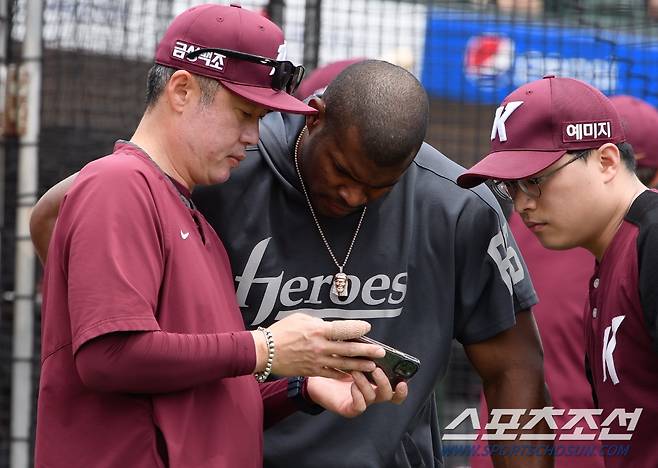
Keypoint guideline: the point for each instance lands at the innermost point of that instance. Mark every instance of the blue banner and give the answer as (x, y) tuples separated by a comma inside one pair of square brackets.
[(481, 59)]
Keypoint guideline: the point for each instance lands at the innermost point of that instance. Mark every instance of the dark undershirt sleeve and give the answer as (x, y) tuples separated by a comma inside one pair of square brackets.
[(276, 403), (283, 397), (161, 362), (648, 266)]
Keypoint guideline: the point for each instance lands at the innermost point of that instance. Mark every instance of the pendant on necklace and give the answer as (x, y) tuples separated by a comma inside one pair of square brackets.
[(340, 285)]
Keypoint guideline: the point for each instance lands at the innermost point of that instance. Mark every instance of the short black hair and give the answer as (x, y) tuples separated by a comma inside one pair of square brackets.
[(159, 75), (646, 174), (387, 105), (627, 155)]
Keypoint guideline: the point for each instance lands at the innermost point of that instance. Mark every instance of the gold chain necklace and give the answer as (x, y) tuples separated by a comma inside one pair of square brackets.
[(340, 284)]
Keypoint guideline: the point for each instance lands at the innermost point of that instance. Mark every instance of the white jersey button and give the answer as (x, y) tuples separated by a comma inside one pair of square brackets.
[(595, 312), (596, 283)]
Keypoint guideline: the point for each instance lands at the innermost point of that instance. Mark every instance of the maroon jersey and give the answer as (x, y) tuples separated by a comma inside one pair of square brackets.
[(128, 255), (620, 325)]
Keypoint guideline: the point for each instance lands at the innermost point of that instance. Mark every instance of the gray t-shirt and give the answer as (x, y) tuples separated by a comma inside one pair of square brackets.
[(432, 262)]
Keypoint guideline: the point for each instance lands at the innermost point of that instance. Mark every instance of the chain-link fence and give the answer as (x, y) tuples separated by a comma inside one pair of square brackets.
[(467, 53)]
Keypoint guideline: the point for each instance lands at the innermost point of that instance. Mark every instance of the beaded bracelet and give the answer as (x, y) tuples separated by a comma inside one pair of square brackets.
[(269, 339)]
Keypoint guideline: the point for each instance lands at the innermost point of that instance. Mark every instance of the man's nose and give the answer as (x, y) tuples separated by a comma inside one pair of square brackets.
[(523, 201), (250, 134), (353, 196)]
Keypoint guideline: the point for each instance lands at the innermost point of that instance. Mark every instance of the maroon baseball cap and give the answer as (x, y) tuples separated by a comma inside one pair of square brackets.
[(320, 78), (640, 121), (541, 121), (235, 29)]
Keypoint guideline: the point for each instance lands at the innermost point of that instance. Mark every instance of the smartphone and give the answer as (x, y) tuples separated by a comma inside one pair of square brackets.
[(397, 366)]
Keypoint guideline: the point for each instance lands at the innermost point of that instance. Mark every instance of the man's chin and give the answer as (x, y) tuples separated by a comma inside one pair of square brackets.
[(331, 211), (551, 243), (220, 177), (328, 207)]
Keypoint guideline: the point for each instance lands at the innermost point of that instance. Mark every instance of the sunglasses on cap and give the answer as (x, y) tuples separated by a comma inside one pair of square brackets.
[(285, 77)]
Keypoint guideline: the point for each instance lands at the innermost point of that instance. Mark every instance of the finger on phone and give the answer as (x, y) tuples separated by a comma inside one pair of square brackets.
[(350, 348), (346, 329), (384, 390), (350, 364), (359, 404), (401, 393), (364, 387)]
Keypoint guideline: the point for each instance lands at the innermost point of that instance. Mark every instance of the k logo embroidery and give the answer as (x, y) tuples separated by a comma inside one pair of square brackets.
[(502, 114), (609, 345)]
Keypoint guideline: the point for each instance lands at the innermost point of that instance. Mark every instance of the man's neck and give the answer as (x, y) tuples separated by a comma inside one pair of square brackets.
[(153, 137), (626, 194)]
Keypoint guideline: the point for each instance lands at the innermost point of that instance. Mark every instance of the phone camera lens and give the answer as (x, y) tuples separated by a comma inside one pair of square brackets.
[(405, 369)]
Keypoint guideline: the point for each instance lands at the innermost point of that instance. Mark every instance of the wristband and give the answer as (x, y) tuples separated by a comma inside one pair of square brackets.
[(269, 339), (298, 393)]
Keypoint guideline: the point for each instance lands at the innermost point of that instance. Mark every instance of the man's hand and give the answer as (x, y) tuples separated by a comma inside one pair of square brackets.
[(353, 393), (306, 345)]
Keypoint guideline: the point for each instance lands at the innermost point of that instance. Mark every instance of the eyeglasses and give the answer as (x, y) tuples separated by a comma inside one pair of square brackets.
[(509, 189), (286, 76)]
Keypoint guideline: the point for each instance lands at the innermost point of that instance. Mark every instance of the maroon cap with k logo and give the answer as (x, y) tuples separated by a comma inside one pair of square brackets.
[(539, 122)]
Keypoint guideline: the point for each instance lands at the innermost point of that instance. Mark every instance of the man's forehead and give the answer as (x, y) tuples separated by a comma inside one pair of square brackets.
[(360, 165), (253, 107)]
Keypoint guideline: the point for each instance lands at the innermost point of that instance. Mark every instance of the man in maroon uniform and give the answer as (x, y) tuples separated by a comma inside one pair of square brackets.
[(145, 360), (559, 152), (561, 278)]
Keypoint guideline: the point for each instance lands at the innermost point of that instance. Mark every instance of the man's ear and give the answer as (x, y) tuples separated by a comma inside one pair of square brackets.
[(609, 159), (316, 120), (180, 90)]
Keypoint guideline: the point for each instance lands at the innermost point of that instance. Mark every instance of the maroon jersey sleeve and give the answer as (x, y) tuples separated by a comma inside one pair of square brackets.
[(112, 253), (161, 362)]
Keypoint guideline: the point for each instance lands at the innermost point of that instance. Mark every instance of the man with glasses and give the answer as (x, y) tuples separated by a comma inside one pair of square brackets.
[(145, 359), (559, 153), (560, 279)]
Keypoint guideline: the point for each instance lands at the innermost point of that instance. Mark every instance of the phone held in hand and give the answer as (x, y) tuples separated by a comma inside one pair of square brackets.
[(397, 366)]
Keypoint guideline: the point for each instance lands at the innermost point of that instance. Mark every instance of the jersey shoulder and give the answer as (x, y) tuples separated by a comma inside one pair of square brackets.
[(437, 178), (127, 162)]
